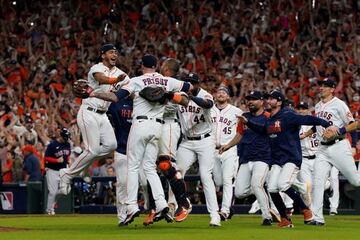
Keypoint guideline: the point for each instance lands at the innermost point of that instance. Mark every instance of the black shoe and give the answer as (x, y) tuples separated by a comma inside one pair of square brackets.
[(267, 222), (130, 217), (315, 223), (122, 224), (163, 214), (223, 216)]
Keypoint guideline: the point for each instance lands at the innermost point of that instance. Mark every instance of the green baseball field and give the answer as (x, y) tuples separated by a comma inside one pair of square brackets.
[(195, 227)]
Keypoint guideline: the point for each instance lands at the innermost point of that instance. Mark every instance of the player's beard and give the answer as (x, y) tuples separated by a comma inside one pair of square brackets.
[(253, 108)]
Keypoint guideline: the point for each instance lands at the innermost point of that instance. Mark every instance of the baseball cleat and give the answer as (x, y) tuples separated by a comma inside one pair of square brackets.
[(285, 223), (122, 224), (130, 217), (254, 207), (315, 223), (308, 216), (215, 221), (275, 217), (182, 213), (163, 214), (51, 212), (267, 222), (333, 211), (223, 216), (150, 218)]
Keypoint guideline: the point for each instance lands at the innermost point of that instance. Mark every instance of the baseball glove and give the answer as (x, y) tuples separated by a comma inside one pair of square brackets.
[(81, 88), (154, 94)]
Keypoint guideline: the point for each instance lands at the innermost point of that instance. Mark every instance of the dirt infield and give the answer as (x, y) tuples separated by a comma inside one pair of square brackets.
[(12, 229)]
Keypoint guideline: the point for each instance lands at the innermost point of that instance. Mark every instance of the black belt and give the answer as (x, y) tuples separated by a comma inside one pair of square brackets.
[(310, 157), (149, 118), (331, 142), (96, 110), (198, 138)]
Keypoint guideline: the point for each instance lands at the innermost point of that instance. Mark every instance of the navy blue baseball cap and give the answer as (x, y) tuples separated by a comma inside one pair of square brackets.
[(276, 95), (64, 132), (302, 105), (328, 83), (192, 77), (225, 89), (107, 47), (255, 95), (149, 61)]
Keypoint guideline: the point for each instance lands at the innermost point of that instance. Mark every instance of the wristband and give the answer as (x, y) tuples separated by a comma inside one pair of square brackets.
[(342, 130), (112, 80), (177, 98)]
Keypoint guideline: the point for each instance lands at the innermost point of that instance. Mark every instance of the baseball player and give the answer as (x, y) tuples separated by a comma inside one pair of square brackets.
[(224, 116), (309, 147), (121, 112), (145, 133), (283, 130), (57, 156), (198, 143), (255, 157), (96, 130), (333, 150), (170, 135)]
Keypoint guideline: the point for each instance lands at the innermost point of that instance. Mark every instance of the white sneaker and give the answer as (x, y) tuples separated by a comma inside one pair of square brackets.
[(254, 207), (333, 211), (215, 221), (51, 212)]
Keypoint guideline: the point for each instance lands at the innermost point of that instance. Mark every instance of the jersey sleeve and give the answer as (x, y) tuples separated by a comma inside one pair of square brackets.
[(118, 85), (131, 86), (95, 69), (345, 113), (175, 85)]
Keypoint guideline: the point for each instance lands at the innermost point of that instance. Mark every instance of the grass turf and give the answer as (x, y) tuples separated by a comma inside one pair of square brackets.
[(195, 227)]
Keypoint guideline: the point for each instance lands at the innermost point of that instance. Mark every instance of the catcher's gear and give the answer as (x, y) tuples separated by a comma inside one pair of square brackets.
[(154, 94), (81, 88)]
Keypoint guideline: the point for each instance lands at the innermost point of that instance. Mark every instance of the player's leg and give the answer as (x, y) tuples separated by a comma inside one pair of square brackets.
[(321, 173), (137, 137), (343, 160), (243, 181), (149, 165), (259, 173), (120, 171), (88, 124), (286, 179), (229, 166), (273, 189), (166, 163), (52, 179), (217, 171), (305, 176), (334, 199), (107, 137), (205, 150)]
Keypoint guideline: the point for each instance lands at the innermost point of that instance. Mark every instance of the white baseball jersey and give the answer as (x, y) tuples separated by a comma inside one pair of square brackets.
[(309, 144), (194, 120), (94, 84), (334, 111), (224, 123), (144, 107)]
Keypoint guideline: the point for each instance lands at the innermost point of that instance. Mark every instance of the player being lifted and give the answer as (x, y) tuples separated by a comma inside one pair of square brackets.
[(96, 130), (145, 132), (224, 116)]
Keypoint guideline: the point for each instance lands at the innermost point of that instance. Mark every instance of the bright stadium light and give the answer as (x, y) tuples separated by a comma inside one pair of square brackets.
[(14, 3)]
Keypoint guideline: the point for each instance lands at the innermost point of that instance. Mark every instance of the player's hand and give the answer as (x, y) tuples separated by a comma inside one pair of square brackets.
[(223, 148), (302, 136), (331, 132), (242, 119), (121, 77)]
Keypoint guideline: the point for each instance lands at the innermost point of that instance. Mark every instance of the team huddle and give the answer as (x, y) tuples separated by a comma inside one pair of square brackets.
[(266, 151)]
